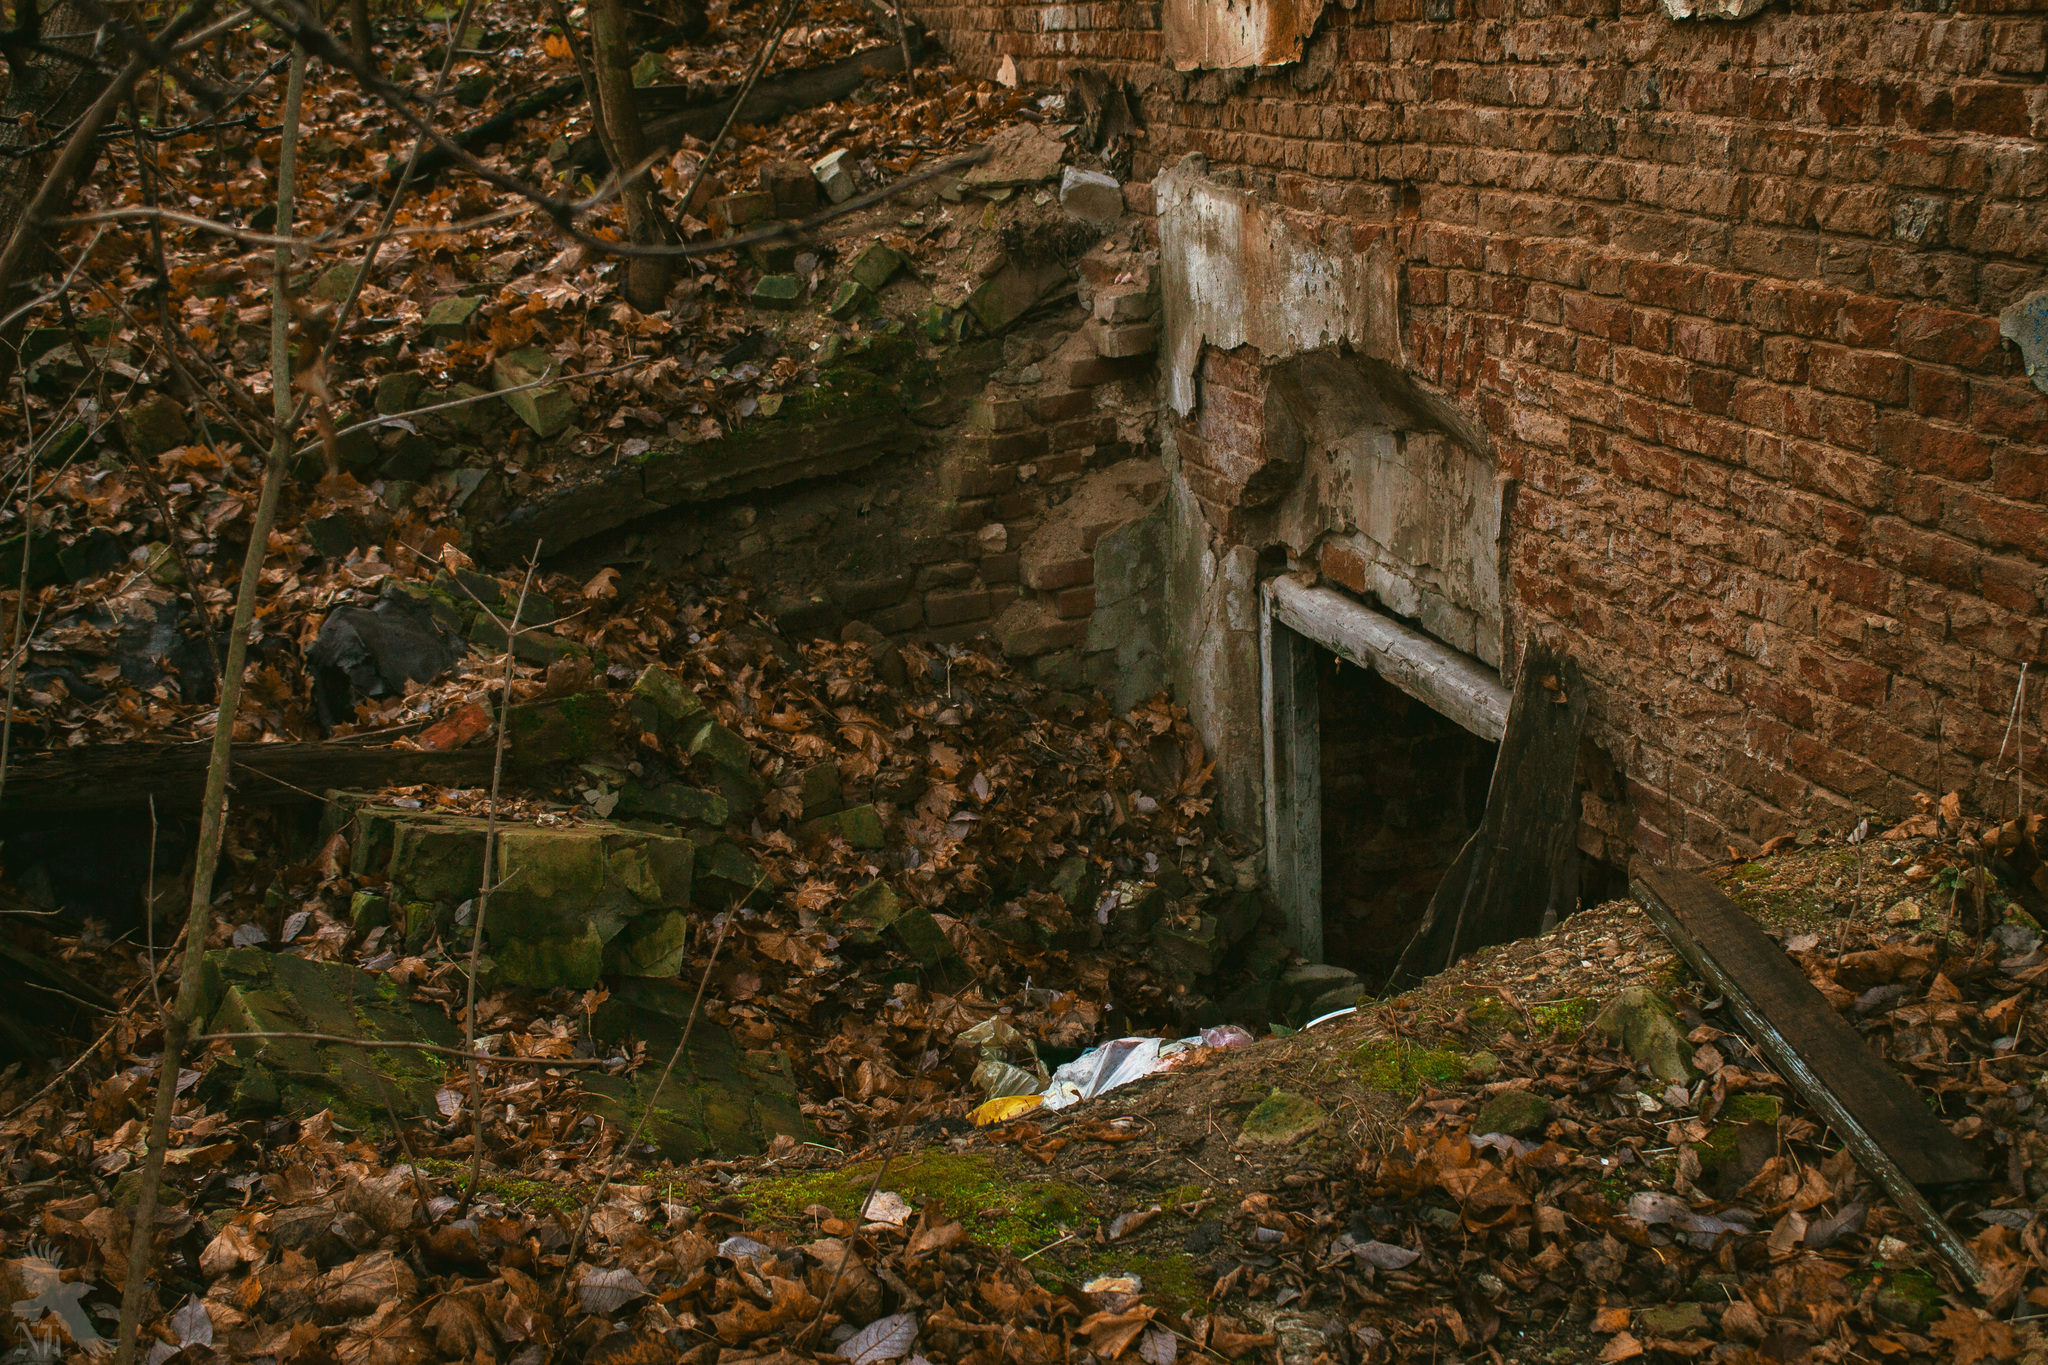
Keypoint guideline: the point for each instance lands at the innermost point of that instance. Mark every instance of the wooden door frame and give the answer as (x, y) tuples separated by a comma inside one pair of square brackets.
[(1294, 621)]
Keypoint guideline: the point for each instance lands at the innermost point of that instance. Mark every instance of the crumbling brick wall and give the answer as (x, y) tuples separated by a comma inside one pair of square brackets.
[(1725, 297)]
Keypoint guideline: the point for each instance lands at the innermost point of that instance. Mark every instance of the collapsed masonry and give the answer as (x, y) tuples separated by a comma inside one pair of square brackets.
[(1693, 340)]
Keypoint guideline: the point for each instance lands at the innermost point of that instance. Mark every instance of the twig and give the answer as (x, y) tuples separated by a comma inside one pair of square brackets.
[(59, 1078), (212, 816), (149, 910), (909, 66), (483, 895), (739, 103), (18, 651), (576, 1242), (401, 1045)]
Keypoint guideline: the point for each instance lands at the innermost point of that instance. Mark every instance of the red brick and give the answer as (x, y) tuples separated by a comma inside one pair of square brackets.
[(1058, 407), (1083, 431), (1054, 574), (999, 568), (1860, 374), (1074, 602), (1943, 335), (950, 606), (998, 414), (1947, 452)]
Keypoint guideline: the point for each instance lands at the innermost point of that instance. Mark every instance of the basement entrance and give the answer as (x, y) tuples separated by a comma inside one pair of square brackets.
[(1380, 743), (1404, 787)]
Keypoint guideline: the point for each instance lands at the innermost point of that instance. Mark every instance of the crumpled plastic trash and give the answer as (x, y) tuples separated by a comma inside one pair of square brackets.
[(1002, 1109), (997, 1079), (1003, 1047), (1123, 1060)]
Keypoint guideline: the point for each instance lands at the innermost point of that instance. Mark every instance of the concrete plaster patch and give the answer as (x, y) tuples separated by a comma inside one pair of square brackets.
[(1227, 34), (1713, 9), (2025, 325), (1236, 271)]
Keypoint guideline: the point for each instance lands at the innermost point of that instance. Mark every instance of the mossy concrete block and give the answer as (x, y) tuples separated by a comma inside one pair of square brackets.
[(1187, 951), (246, 990), (1010, 293), (449, 319), (859, 826), (1074, 880), (547, 409), (727, 877), (1281, 1119), (654, 869), (1514, 1112), (651, 945), (400, 392), (863, 916), (433, 861), (820, 791), (548, 878), (719, 1101), (335, 282), (537, 647), (575, 961), (876, 266), (675, 803), (778, 291), (1642, 1022), (849, 298), (720, 760), (665, 705), (1673, 1320), (367, 910), (567, 729)]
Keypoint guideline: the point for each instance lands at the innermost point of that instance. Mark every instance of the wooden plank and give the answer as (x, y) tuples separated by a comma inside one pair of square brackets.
[(118, 776), (1880, 1117), (1428, 670), (1292, 723), (1520, 868)]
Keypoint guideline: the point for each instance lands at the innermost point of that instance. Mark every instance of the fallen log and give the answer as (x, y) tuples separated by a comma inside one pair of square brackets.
[(1878, 1115), (122, 776)]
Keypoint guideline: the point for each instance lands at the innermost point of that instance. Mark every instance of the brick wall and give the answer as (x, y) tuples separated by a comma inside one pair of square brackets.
[(1725, 298)]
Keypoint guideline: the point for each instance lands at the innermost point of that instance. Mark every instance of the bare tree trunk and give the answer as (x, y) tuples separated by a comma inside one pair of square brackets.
[(45, 95), (213, 813), (646, 276), (359, 33)]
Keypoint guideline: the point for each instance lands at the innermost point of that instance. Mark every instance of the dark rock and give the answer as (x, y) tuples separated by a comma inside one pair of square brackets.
[(365, 653)]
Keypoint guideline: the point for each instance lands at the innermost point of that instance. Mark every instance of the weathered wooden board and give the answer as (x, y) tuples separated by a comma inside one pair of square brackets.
[(1292, 700), (1521, 864), (1728, 949), (1879, 1116), (1428, 670)]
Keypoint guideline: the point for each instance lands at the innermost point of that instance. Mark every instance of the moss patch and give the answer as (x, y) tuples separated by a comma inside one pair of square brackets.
[(1019, 1216), (1389, 1065), (535, 1195), (1560, 1018)]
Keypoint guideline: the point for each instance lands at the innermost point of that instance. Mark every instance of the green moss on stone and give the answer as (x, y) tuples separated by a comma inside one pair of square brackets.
[(1391, 1065)]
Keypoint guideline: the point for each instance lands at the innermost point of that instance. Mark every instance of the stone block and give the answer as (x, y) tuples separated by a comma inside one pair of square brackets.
[(396, 393), (743, 209), (1052, 575), (726, 877), (876, 266), (1091, 195), (449, 319), (675, 803), (791, 187), (782, 292), (665, 706), (862, 917), (860, 826), (1027, 628), (947, 607), (834, 174), (334, 283), (849, 298), (1010, 293), (1120, 340), (819, 790), (548, 409), (559, 731)]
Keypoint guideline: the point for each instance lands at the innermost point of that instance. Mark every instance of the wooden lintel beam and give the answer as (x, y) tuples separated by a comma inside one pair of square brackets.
[(1428, 670)]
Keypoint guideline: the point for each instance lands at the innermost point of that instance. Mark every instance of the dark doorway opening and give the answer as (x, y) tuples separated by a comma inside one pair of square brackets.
[(1403, 787)]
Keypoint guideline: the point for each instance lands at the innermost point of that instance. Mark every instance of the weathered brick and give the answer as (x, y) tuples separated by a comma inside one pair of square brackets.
[(950, 606), (1054, 574), (1074, 602)]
